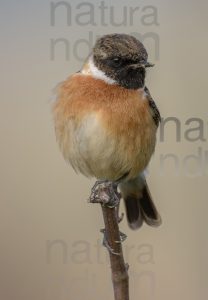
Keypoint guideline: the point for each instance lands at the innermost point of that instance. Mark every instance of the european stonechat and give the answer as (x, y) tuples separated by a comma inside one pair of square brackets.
[(106, 122)]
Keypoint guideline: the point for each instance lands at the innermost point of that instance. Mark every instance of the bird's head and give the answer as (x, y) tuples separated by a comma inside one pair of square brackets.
[(122, 59)]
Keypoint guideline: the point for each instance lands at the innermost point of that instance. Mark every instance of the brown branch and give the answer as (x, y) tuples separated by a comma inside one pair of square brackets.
[(113, 238)]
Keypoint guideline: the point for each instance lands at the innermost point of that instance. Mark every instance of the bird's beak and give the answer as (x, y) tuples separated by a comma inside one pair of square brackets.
[(148, 65), (143, 65)]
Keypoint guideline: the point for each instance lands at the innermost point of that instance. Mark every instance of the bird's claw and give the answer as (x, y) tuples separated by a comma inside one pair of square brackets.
[(105, 193)]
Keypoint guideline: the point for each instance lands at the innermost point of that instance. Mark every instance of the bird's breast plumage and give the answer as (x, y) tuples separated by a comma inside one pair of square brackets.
[(102, 129)]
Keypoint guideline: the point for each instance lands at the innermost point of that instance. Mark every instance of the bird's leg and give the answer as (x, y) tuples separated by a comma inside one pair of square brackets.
[(97, 184), (95, 192), (105, 192)]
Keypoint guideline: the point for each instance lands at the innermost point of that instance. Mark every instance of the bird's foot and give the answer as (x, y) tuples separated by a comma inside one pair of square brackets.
[(105, 193)]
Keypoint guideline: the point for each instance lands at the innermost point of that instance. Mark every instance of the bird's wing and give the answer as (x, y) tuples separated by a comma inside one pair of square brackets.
[(155, 112)]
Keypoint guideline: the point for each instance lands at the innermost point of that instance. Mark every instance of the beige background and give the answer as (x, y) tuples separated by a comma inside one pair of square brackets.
[(44, 201)]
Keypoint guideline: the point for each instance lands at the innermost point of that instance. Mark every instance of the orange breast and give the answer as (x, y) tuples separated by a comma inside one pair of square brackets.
[(123, 114)]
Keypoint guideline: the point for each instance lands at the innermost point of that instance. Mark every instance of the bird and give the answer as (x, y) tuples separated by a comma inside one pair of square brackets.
[(106, 122)]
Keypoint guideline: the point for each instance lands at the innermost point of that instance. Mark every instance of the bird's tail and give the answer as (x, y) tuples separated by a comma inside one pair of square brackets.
[(139, 204)]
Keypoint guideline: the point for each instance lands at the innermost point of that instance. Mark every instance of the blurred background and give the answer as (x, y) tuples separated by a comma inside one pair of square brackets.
[(50, 241)]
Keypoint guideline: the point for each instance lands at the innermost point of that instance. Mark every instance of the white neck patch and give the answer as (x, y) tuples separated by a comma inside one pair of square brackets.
[(96, 73)]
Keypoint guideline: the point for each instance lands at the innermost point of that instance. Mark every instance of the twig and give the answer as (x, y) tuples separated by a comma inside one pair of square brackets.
[(105, 194)]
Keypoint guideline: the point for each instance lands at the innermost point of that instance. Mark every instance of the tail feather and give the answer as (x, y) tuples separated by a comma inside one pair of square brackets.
[(139, 204), (133, 212), (148, 208)]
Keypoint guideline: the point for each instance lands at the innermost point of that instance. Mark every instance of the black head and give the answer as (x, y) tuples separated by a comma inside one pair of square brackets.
[(122, 58)]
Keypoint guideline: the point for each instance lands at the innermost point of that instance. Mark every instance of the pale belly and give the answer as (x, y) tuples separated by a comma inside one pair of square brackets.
[(95, 152)]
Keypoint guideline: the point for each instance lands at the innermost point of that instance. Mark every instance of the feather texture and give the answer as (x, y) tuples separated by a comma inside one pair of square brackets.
[(103, 130)]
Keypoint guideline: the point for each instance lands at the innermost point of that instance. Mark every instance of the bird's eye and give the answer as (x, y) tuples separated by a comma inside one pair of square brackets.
[(116, 62)]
